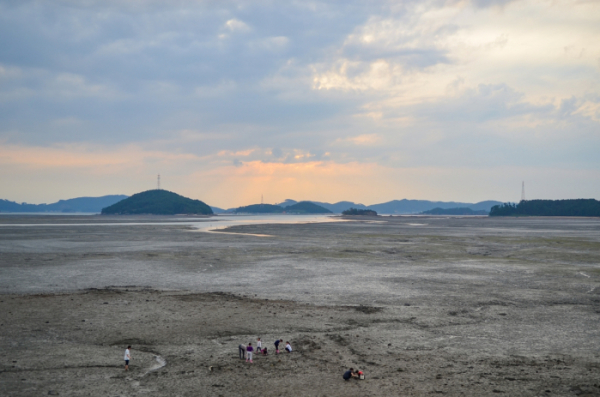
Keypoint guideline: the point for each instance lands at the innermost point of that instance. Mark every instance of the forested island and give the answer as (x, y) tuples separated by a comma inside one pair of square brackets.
[(454, 211), (157, 202), (577, 207), (354, 211), (303, 207)]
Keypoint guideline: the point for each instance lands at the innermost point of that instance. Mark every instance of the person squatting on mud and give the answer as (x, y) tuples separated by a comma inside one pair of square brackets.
[(348, 374), (358, 373)]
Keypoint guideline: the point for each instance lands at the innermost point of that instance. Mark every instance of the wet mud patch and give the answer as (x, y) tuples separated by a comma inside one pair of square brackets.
[(368, 309)]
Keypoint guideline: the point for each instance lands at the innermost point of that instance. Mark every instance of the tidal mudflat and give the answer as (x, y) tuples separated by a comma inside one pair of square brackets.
[(423, 305)]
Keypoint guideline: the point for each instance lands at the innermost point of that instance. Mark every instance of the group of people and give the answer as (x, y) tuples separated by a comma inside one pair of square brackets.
[(246, 352), (353, 374)]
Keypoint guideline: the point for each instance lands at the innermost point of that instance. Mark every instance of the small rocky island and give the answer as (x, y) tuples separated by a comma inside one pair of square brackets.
[(157, 202), (354, 211)]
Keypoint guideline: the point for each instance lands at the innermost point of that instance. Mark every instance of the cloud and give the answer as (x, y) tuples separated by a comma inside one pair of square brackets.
[(277, 43), (362, 140), (491, 3), (411, 42), (82, 156), (236, 25), (313, 86), (233, 183), (348, 76), (27, 83)]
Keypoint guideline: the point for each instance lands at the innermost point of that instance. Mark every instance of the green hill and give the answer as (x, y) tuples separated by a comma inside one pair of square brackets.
[(306, 207), (157, 202), (578, 207)]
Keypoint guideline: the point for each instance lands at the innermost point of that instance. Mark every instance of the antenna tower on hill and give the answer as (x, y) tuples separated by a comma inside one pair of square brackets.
[(523, 191), (158, 182)]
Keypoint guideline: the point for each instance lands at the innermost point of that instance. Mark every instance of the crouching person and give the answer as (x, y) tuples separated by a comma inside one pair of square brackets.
[(348, 374)]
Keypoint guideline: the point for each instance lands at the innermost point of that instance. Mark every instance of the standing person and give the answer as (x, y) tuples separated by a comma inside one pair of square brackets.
[(242, 351), (249, 351), (348, 374), (127, 358), (277, 342), (259, 346), (288, 347)]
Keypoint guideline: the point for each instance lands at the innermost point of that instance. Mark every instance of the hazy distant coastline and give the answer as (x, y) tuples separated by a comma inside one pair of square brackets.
[(398, 207), (96, 204), (89, 205)]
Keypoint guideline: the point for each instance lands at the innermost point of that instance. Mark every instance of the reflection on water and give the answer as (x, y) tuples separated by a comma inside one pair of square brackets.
[(211, 224), (226, 221)]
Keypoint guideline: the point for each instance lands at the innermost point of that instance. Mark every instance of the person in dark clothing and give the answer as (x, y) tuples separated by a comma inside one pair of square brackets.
[(348, 374), (277, 342), (242, 350)]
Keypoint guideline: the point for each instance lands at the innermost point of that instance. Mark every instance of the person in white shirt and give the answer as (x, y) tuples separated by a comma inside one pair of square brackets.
[(259, 346), (288, 347), (127, 358)]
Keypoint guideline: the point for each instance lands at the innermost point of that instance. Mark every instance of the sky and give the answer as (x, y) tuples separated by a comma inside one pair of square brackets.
[(366, 101)]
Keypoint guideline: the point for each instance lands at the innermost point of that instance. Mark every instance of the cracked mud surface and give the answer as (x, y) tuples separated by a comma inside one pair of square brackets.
[(459, 306)]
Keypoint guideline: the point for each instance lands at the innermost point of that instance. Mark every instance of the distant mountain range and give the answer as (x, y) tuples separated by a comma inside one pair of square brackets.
[(80, 204), (303, 207), (95, 205), (402, 206)]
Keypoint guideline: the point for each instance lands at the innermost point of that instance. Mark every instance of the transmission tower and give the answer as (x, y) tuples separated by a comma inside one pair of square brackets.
[(523, 191), (158, 182)]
